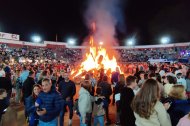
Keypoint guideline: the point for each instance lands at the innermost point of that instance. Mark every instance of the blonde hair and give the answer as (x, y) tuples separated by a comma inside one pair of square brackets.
[(177, 92)]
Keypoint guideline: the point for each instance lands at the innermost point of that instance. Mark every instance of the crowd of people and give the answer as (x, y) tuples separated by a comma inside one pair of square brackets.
[(151, 95), (143, 55), (73, 55), (143, 94), (31, 54)]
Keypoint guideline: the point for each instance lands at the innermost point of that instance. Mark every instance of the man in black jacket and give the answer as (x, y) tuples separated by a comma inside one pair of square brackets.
[(6, 84), (67, 89), (106, 92), (127, 117), (28, 85)]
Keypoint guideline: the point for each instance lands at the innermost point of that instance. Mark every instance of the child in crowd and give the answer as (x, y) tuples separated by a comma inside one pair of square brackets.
[(98, 110)]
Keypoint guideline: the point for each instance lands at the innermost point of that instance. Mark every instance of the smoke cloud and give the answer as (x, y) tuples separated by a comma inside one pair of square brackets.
[(107, 15)]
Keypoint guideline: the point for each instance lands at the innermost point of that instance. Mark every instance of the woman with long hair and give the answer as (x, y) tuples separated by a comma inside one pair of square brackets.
[(30, 105), (148, 110)]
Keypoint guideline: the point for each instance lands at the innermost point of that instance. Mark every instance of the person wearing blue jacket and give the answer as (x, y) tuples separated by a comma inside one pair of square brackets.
[(180, 105), (50, 104), (30, 106)]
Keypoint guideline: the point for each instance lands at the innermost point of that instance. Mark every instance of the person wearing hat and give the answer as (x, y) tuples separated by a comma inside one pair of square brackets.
[(180, 79)]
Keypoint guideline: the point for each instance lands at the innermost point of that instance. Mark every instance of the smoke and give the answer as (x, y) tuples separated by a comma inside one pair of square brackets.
[(108, 16)]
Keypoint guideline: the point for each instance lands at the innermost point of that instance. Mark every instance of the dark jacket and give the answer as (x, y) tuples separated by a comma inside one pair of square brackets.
[(178, 109), (115, 77), (52, 102), (3, 105), (127, 117), (30, 105), (60, 78), (28, 87), (67, 89), (31, 111), (119, 87), (106, 89), (5, 83)]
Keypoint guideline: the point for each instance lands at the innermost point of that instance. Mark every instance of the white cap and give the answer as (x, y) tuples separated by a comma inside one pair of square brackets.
[(170, 74)]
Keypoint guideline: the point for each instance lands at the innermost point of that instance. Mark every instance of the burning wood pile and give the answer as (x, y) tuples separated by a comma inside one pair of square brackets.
[(97, 59)]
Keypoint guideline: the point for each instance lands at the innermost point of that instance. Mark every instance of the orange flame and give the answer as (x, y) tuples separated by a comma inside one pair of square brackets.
[(95, 59)]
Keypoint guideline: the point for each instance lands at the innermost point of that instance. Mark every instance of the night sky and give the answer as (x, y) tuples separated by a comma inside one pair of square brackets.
[(148, 20)]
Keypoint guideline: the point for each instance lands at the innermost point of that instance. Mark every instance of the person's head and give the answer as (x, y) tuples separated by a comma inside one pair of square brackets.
[(146, 98), (105, 78), (3, 93), (36, 90), (62, 72), (158, 77), (32, 74), (98, 90), (18, 72), (86, 85), (169, 79), (46, 85), (66, 75), (87, 77), (117, 69), (152, 75), (141, 75), (178, 74), (131, 81), (122, 79), (45, 74), (178, 92)]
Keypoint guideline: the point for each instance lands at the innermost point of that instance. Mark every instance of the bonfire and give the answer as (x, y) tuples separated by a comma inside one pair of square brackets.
[(95, 60)]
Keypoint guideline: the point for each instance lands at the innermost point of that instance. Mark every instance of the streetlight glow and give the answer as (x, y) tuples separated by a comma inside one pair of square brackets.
[(165, 40), (36, 39), (71, 41), (130, 42)]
